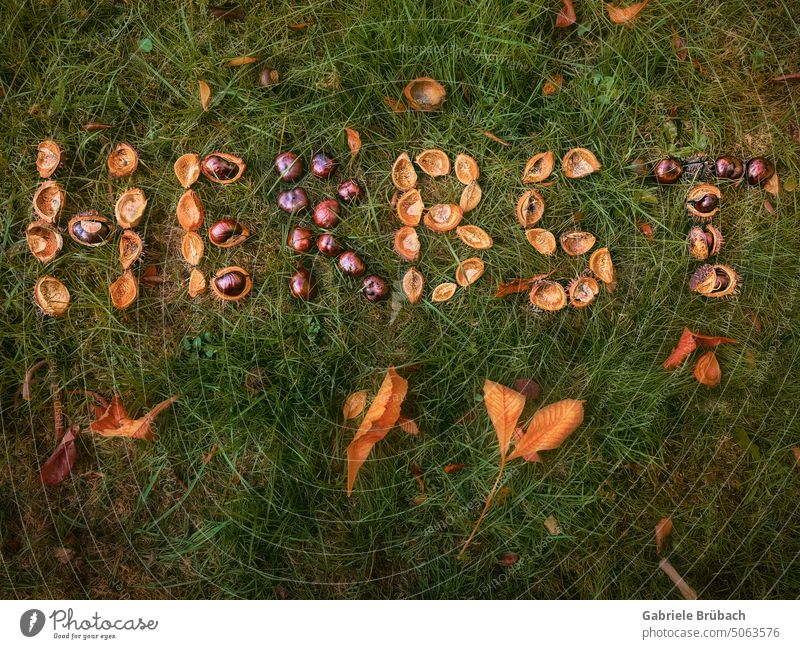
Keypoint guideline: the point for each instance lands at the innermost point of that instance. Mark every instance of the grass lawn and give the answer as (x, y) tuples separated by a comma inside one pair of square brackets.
[(265, 380)]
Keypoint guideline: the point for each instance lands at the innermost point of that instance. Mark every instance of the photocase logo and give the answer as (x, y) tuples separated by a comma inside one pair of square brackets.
[(31, 622)]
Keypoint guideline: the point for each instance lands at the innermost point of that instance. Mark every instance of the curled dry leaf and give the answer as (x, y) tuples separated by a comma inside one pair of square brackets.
[(205, 94), (353, 141), (518, 285), (59, 465), (579, 163), (115, 422), (381, 417), (444, 292), (624, 15), (796, 453), (453, 468), (354, 404), (474, 237), (566, 17), (663, 530), (470, 197), (504, 406), (241, 60), (538, 168), (549, 427), (688, 343), (707, 370), (553, 85), (408, 426), (413, 285), (712, 341), (679, 43), (686, 590)]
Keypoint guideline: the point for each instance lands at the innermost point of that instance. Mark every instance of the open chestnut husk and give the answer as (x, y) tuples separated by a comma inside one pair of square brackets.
[(404, 176), (543, 241), (702, 201), (190, 210), (413, 285), (289, 166), (90, 229), (467, 170), (222, 168), (187, 169), (698, 166), (759, 171), (300, 239), (130, 248), (349, 191), (227, 233), (268, 77), (425, 94), (322, 166), (375, 288), (302, 284), (406, 243), (293, 201), (51, 296), (326, 214), (470, 271), (328, 246), (124, 290), (443, 217), (668, 171), (434, 162), (130, 207), (410, 207), (729, 167), (603, 268), (579, 163), (717, 280), (123, 161), (44, 241), (577, 243), (192, 248), (583, 291), (48, 158), (197, 283), (548, 295), (49, 200), (704, 244), (231, 283), (530, 208), (351, 264)]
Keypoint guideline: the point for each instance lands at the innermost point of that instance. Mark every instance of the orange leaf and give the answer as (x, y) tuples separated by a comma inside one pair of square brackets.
[(553, 85), (566, 17), (381, 417), (549, 427), (394, 105), (504, 406), (453, 468), (707, 370), (205, 95), (712, 341), (663, 530), (241, 60), (686, 590), (116, 423), (795, 452), (354, 404), (624, 15), (407, 425), (773, 185), (517, 285), (353, 141), (686, 345)]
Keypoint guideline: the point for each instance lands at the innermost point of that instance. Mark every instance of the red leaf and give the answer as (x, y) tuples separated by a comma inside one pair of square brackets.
[(517, 285), (663, 530), (712, 341), (59, 465), (686, 345), (566, 17)]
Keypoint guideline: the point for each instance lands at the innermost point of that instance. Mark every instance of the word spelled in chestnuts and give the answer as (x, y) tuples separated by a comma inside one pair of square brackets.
[(756, 171)]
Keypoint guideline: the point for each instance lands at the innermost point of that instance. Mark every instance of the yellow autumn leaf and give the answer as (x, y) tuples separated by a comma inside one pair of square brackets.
[(205, 94), (504, 406), (624, 15), (241, 60), (549, 427)]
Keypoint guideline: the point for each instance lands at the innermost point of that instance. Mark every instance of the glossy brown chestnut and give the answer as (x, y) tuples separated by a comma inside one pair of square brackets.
[(231, 283), (300, 239), (89, 228), (668, 171), (351, 264), (375, 288), (293, 201), (349, 191), (759, 171), (326, 214), (268, 77), (328, 245), (728, 166), (707, 203), (222, 168), (322, 166), (302, 284), (289, 166), (227, 233)]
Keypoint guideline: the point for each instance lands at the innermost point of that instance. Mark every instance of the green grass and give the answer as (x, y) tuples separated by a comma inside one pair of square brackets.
[(265, 380)]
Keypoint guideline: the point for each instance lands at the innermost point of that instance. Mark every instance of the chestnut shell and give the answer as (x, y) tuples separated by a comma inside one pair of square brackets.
[(425, 94), (222, 168), (231, 283), (89, 228)]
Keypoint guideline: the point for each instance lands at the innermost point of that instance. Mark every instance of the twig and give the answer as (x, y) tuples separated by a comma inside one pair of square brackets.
[(794, 76), (485, 507), (686, 590), (28, 380)]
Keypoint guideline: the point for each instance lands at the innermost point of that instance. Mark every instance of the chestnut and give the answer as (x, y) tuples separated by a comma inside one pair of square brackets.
[(351, 264), (289, 166), (268, 77), (322, 166), (227, 233), (759, 171), (375, 288), (668, 171), (326, 214), (231, 283), (729, 167), (294, 200), (220, 168), (349, 191), (328, 245), (300, 239), (707, 203), (302, 284)]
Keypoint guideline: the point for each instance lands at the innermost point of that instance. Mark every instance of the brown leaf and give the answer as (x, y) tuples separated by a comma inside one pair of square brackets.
[(549, 427), (416, 471), (517, 285), (381, 417), (712, 341), (553, 85), (566, 17), (227, 12), (707, 370), (663, 530), (205, 94), (624, 15), (395, 105), (59, 465), (769, 207), (773, 185), (504, 406), (494, 138), (28, 380), (354, 404), (508, 559), (210, 455), (686, 590), (298, 27), (679, 43), (116, 423), (64, 555), (796, 453), (408, 426), (453, 468), (528, 387), (647, 230), (150, 276), (96, 126), (794, 76), (686, 345), (552, 525), (241, 60), (353, 141)]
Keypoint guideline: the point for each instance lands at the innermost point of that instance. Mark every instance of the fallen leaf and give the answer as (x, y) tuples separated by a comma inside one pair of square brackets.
[(508, 559), (517, 285), (773, 185), (712, 341), (150, 276), (95, 126), (494, 138), (686, 345), (210, 455), (453, 468), (528, 387), (64, 555), (796, 453), (353, 141), (394, 105), (59, 465), (624, 15), (707, 370), (116, 423), (354, 404), (686, 590), (647, 230), (227, 12), (28, 380), (679, 43), (566, 17), (381, 417), (408, 426), (298, 27), (552, 526), (416, 471), (241, 60), (553, 85), (205, 94), (504, 406), (549, 427), (794, 76), (663, 530)]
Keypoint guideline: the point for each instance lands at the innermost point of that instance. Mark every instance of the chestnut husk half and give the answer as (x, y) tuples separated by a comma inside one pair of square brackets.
[(293, 201), (44, 241), (197, 283), (714, 281), (48, 158), (374, 288), (51, 296), (548, 295), (124, 290), (425, 94), (49, 200), (268, 77), (89, 228), (130, 207), (123, 161), (704, 244), (227, 233), (443, 217), (601, 265), (130, 248), (231, 283), (467, 170), (413, 285), (190, 211), (579, 163), (543, 241), (470, 271), (404, 176), (326, 214), (302, 284), (583, 291), (187, 169), (410, 207), (702, 201), (289, 166), (444, 292), (406, 243), (192, 248), (577, 243), (222, 168), (434, 162), (530, 208)]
